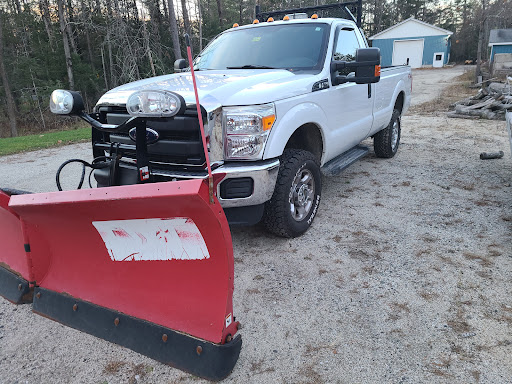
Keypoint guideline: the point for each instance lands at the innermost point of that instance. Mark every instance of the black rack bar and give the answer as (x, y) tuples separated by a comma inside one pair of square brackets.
[(341, 6)]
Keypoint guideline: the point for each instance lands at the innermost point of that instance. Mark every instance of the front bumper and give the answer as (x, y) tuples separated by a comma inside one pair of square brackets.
[(264, 176), (260, 175)]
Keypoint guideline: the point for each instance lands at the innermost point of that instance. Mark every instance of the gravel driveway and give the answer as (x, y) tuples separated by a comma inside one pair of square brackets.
[(404, 276)]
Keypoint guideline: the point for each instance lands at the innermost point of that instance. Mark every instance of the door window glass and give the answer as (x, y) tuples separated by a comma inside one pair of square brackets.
[(345, 49)]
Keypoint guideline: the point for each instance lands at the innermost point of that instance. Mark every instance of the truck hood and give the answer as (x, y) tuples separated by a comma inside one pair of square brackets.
[(221, 88)]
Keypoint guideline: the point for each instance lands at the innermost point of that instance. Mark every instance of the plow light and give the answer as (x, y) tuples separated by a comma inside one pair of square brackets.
[(155, 104), (64, 102)]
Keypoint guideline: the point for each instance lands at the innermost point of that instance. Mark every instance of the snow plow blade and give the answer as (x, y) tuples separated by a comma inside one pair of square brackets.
[(147, 266), (14, 269)]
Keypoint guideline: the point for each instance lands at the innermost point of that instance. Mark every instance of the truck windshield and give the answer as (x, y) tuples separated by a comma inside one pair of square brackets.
[(294, 47)]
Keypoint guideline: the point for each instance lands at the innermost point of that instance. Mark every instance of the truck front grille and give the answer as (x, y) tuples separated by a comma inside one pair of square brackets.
[(179, 143)]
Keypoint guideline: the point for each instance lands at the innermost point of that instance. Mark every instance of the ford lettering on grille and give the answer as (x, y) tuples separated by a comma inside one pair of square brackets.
[(152, 136)]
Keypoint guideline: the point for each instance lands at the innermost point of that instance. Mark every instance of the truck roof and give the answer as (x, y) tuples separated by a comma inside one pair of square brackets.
[(327, 20)]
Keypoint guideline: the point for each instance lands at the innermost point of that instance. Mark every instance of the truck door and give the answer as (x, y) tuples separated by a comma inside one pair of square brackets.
[(350, 104)]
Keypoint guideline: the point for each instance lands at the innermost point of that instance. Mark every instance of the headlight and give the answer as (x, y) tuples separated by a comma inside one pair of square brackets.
[(246, 130), (155, 104)]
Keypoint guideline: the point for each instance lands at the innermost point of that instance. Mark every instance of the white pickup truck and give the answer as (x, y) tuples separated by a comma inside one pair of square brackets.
[(282, 102)]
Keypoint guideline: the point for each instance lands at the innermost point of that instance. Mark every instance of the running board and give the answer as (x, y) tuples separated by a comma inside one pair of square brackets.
[(343, 161)]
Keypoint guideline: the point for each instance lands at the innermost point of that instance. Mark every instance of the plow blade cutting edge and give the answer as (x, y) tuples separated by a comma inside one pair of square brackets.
[(146, 266)]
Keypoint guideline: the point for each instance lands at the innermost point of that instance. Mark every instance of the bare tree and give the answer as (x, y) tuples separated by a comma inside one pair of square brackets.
[(481, 28), (11, 106), (68, 19), (186, 20), (85, 24), (65, 42), (220, 10), (44, 8), (173, 26)]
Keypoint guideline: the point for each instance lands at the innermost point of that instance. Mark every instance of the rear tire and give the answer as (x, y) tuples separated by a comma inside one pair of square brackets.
[(386, 142), (294, 204)]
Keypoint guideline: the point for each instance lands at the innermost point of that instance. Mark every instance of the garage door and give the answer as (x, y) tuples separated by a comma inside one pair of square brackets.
[(408, 49)]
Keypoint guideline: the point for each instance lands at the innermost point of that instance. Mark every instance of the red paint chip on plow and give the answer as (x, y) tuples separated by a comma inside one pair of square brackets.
[(176, 238)]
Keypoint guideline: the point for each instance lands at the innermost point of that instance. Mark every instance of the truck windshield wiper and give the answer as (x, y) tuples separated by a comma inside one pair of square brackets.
[(250, 66)]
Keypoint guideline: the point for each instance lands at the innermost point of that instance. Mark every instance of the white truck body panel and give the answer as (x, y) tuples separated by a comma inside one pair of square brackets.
[(345, 114)]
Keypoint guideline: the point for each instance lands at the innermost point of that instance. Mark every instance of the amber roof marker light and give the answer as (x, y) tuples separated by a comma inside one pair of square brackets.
[(314, 16)]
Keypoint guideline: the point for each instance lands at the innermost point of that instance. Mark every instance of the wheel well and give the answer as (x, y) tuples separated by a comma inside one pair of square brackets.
[(399, 103), (309, 138)]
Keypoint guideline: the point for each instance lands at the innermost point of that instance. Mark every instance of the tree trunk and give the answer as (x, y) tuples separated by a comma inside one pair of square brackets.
[(220, 11), (11, 107), (68, 19), (165, 7), (186, 20), (478, 71), (44, 8), (113, 77), (200, 22), (173, 26), (85, 21), (148, 48), (65, 41)]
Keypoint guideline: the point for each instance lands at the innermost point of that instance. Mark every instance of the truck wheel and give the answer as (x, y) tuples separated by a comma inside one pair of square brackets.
[(386, 142), (293, 206)]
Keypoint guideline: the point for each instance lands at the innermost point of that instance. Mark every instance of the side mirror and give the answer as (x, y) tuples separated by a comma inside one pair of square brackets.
[(366, 65), (180, 65), (64, 102), (368, 70)]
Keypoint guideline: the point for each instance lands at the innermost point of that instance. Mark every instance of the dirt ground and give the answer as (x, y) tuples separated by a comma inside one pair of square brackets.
[(404, 277)]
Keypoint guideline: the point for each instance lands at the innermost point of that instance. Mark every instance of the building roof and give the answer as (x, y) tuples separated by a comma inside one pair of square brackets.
[(410, 28), (500, 36)]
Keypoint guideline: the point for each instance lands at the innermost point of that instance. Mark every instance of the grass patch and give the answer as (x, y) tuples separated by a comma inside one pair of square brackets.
[(19, 144)]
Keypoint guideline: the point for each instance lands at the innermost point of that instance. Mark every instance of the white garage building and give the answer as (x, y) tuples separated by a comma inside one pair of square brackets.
[(415, 43)]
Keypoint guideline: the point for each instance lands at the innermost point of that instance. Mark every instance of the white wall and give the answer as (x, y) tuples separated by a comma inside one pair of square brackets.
[(411, 28)]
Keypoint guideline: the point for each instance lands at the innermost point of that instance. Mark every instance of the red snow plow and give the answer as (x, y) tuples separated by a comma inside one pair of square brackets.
[(147, 266)]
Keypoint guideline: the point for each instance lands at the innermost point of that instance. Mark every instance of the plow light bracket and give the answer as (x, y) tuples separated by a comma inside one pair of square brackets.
[(63, 102)]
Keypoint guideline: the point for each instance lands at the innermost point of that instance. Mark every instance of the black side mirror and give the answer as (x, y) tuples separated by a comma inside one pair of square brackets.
[(368, 70), (366, 65), (180, 65)]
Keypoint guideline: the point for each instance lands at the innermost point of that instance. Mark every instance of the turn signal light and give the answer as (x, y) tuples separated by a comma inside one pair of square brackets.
[(268, 121), (377, 70)]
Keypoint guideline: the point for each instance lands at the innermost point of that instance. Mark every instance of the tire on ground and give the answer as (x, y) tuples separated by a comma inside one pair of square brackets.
[(278, 217), (385, 143)]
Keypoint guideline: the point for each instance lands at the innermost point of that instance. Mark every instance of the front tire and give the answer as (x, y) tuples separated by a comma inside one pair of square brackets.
[(386, 142), (294, 204)]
